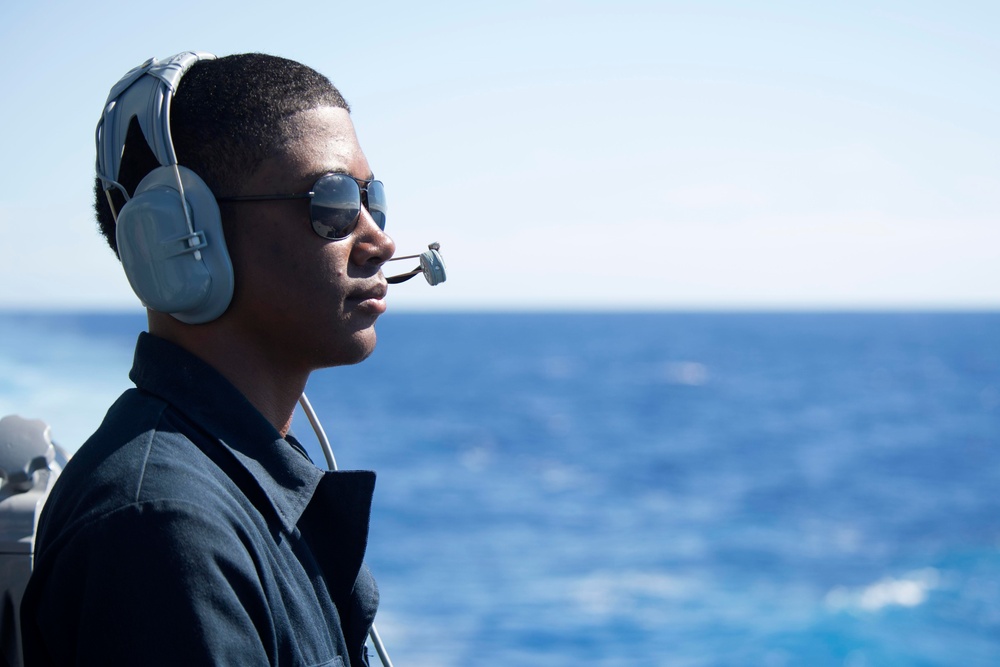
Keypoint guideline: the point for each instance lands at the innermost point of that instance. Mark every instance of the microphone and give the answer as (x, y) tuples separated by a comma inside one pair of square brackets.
[(431, 265)]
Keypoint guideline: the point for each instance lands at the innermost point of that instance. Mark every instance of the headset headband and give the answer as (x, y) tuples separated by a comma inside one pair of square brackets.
[(144, 93)]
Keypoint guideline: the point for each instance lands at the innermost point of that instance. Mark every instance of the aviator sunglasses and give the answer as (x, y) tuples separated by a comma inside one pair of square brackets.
[(335, 202)]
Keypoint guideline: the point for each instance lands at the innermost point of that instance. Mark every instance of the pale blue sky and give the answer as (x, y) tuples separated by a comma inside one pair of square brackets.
[(575, 154)]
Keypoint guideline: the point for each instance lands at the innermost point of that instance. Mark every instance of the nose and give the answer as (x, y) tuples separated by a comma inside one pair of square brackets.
[(371, 244)]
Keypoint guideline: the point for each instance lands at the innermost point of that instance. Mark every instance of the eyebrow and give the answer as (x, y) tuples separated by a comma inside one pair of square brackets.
[(295, 195), (338, 170)]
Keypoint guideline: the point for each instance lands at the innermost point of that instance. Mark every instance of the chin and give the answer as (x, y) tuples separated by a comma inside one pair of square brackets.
[(352, 350)]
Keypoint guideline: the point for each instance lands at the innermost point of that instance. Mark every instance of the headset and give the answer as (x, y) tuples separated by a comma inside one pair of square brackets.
[(169, 232)]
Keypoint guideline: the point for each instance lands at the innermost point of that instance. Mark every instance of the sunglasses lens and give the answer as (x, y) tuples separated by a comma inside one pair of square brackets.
[(335, 206), (376, 203)]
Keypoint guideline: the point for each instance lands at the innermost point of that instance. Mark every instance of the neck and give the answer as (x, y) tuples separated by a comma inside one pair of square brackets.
[(266, 379)]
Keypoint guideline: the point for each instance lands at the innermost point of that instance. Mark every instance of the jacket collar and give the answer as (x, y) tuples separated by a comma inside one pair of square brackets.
[(288, 479)]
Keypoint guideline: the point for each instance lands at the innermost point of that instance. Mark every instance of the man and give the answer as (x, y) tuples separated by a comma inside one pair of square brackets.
[(191, 528)]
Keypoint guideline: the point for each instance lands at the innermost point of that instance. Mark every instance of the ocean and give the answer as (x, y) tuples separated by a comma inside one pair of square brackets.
[(691, 489)]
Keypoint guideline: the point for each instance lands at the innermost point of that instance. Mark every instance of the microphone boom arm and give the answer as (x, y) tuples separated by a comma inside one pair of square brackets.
[(431, 265)]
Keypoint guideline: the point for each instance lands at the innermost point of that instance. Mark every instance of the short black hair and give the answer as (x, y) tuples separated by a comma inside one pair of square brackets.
[(227, 116)]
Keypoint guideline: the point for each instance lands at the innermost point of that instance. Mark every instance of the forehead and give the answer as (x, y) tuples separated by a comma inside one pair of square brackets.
[(317, 141)]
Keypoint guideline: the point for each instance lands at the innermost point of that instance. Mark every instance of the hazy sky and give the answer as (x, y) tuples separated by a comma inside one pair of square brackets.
[(575, 154)]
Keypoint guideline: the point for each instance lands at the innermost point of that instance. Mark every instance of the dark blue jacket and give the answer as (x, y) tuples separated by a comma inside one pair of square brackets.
[(187, 531)]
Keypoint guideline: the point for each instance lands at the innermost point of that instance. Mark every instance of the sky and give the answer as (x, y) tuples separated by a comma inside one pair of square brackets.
[(574, 155)]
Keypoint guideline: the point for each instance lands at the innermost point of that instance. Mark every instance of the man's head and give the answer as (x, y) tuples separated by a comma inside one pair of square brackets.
[(253, 125), (227, 116)]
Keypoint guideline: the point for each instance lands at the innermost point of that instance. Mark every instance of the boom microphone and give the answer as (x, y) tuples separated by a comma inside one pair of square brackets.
[(431, 265)]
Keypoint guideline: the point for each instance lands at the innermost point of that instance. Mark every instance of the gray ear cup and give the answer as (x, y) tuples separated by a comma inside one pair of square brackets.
[(169, 233), (173, 267)]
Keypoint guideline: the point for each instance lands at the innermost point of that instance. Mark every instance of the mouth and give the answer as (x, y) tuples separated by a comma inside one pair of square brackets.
[(370, 299)]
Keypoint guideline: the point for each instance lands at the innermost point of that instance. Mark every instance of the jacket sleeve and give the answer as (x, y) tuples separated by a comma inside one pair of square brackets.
[(155, 583)]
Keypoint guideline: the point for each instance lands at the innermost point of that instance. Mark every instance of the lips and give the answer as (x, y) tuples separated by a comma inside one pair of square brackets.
[(374, 291), (370, 298)]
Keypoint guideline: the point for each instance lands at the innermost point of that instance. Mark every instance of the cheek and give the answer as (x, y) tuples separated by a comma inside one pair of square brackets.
[(285, 268), (262, 264)]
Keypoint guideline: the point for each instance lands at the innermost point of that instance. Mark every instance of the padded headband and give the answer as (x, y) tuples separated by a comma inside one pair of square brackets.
[(144, 93)]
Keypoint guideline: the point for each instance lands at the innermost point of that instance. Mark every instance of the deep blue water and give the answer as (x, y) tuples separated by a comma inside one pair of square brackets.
[(644, 489)]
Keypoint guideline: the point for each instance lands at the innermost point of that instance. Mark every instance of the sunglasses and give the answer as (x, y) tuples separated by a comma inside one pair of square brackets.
[(335, 202)]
